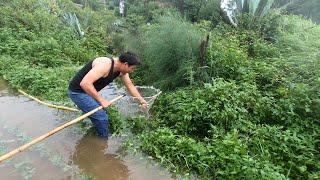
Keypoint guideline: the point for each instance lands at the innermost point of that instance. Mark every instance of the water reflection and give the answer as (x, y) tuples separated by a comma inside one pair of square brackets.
[(90, 156)]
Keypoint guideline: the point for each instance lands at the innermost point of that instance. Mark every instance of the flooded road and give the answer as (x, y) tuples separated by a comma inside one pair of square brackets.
[(70, 154)]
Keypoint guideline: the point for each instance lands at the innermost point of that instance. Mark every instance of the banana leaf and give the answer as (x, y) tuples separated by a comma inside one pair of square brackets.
[(72, 20), (263, 8)]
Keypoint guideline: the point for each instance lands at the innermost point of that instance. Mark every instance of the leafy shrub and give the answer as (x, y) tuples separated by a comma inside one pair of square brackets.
[(295, 153), (36, 37), (116, 121), (193, 111), (144, 9), (238, 55), (210, 10), (138, 124), (225, 59), (141, 123), (169, 148), (225, 156), (38, 81)]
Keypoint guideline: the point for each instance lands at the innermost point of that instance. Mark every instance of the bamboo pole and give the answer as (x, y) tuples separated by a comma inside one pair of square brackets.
[(47, 104), (44, 136)]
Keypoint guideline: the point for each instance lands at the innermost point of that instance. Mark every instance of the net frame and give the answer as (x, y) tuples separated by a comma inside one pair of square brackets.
[(130, 106)]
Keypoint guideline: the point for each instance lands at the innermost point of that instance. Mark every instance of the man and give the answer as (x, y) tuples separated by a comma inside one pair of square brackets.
[(121, 8), (94, 76)]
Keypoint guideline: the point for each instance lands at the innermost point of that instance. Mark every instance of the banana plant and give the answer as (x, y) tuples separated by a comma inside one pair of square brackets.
[(255, 8), (72, 20)]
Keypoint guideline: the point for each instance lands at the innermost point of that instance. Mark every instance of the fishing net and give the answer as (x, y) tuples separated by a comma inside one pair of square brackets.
[(130, 106)]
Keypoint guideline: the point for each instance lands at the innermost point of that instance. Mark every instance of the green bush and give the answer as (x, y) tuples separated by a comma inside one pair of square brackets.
[(166, 49), (180, 152), (116, 121), (138, 124), (225, 59), (266, 152), (211, 11), (143, 9), (240, 55), (226, 156), (37, 81), (224, 104)]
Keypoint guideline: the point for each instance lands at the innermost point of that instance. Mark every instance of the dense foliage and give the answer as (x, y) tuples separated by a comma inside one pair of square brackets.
[(36, 45), (252, 110), (238, 102)]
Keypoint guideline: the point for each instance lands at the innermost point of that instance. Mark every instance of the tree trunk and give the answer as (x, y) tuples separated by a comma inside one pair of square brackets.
[(181, 6)]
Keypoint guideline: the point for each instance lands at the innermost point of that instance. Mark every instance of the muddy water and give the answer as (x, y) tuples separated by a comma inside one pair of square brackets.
[(69, 154)]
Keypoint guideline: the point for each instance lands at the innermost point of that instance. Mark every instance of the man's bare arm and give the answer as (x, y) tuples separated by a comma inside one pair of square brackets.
[(132, 89), (98, 70)]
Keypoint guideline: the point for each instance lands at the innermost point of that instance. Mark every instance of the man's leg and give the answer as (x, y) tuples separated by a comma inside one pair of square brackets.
[(86, 103), (100, 121)]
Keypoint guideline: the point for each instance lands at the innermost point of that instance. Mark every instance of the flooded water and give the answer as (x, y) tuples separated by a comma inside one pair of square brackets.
[(69, 154)]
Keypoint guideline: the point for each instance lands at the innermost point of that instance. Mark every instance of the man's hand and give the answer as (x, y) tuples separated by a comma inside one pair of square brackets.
[(144, 104), (133, 90), (104, 103)]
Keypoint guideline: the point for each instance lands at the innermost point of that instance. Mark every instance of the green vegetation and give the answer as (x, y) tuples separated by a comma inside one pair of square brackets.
[(167, 49), (36, 44), (238, 102)]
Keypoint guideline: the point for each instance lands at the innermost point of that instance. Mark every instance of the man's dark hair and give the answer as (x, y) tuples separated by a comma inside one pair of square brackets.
[(130, 58)]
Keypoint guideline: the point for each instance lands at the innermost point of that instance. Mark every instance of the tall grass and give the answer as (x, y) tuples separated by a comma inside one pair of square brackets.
[(166, 50)]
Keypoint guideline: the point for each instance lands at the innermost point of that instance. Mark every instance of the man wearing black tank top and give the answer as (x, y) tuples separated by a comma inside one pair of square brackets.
[(85, 86)]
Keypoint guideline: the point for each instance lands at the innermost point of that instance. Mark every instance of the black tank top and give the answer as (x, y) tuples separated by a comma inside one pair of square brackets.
[(74, 84)]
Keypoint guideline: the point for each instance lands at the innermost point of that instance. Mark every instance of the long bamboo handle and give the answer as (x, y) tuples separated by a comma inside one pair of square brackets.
[(47, 104), (44, 136)]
